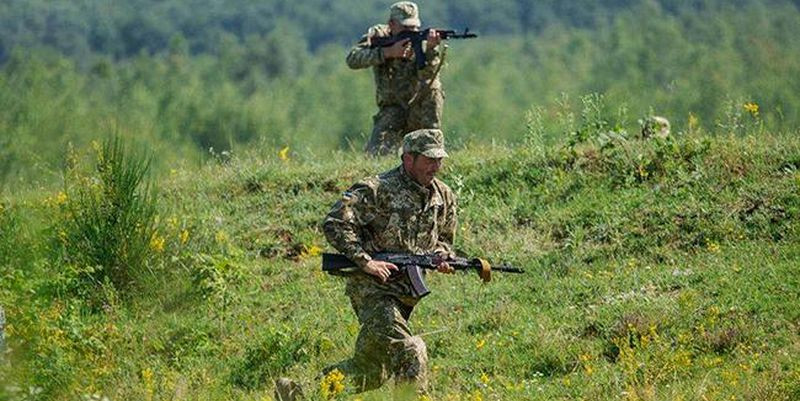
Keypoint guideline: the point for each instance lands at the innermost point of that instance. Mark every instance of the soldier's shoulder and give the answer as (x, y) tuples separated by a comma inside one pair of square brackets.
[(379, 30), (389, 176), (443, 189), (362, 191), (370, 184)]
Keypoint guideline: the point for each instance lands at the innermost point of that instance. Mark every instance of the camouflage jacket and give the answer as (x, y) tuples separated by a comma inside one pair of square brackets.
[(396, 80), (391, 213)]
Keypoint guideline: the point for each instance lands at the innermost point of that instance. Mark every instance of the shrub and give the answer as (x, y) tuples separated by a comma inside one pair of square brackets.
[(108, 220)]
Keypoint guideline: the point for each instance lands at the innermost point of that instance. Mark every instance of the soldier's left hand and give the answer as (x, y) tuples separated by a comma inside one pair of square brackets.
[(433, 39), (442, 265)]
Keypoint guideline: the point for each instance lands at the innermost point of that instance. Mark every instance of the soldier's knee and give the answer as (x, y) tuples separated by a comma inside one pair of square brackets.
[(418, 348), (412, 359), (411, 364)]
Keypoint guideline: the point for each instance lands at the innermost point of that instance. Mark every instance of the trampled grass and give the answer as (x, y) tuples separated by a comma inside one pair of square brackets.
[(655, 270)]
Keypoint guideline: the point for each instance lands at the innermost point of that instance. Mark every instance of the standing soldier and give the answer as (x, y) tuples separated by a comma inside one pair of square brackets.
[(408, 99)]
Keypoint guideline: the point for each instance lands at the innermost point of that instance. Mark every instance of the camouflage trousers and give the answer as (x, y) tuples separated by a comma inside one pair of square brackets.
[(385, 347), (392, 123)]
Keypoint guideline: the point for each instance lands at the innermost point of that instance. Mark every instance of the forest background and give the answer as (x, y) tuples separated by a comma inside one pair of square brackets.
[(185, 76)]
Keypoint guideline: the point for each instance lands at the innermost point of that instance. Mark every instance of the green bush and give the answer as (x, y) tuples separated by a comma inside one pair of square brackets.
[(109, 218)]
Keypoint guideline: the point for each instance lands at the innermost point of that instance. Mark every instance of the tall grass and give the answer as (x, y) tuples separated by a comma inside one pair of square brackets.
[(108, 219)]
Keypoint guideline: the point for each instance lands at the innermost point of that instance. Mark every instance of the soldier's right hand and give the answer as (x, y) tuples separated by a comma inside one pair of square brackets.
[(400, 49), (380, 269)]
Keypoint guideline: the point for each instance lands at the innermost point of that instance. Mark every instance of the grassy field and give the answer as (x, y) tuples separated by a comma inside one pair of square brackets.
[(655, 270)]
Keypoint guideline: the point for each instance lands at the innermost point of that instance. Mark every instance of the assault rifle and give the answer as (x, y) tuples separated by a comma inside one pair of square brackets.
[(412, 265), (416, 38)]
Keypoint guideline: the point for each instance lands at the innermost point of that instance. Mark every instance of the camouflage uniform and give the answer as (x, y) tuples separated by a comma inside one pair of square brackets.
[(389, 212), (407, 99), (655, 127)]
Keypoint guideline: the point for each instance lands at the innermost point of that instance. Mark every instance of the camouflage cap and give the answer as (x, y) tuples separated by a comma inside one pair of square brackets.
[(427, 142), (655, 126), (406, 13)]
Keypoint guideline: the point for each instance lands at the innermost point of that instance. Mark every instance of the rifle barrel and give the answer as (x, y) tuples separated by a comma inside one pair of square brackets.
[(508, 269)]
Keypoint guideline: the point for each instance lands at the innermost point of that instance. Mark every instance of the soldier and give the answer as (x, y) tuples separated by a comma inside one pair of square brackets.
[(406, 209), (655, 127), (408, 99)]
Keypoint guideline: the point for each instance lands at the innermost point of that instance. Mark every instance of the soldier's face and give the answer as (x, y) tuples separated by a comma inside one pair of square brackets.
[(396, 27), (422, 168)]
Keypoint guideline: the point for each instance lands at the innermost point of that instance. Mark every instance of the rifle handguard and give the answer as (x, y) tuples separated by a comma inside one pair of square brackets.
[(486, 270)]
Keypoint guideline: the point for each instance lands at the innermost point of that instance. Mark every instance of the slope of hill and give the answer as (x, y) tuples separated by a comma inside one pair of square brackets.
[(655, 270)]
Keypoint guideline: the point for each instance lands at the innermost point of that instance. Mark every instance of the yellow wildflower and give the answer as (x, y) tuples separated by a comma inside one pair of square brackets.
[(683, 359), (713, 247), (642, 170), (312, 250), (484, 379), (477, 396), (157, 243), (480, 343), (332, 384), (184, 236), (221, 237), (147, 381), (284, 154), (751, 108), (61, 198), (694, 122)]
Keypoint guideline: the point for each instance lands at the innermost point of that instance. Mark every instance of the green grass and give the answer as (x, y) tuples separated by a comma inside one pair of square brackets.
[(655, 270)]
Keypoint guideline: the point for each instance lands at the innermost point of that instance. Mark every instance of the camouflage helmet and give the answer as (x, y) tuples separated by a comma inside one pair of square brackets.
[(428, 142), (655, 126), (406, 13)]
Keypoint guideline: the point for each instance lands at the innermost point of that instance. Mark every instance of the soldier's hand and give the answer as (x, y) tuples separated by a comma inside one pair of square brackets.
[(433, 39), (401, 49), (380, 269), (441, 263), (445, 267)]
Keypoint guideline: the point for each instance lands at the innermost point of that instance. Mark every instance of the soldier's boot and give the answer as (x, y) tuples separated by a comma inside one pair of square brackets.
[(287, 390)]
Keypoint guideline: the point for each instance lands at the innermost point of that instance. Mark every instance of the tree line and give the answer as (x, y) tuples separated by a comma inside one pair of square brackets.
[(696, 62), (126, 29)]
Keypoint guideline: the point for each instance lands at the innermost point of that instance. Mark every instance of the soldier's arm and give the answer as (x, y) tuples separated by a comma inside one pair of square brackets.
[(364, 56), (345, 222), (447, 224), (433, 61)]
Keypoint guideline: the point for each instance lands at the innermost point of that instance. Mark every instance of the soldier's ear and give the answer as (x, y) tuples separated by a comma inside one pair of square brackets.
[(407, 158)]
